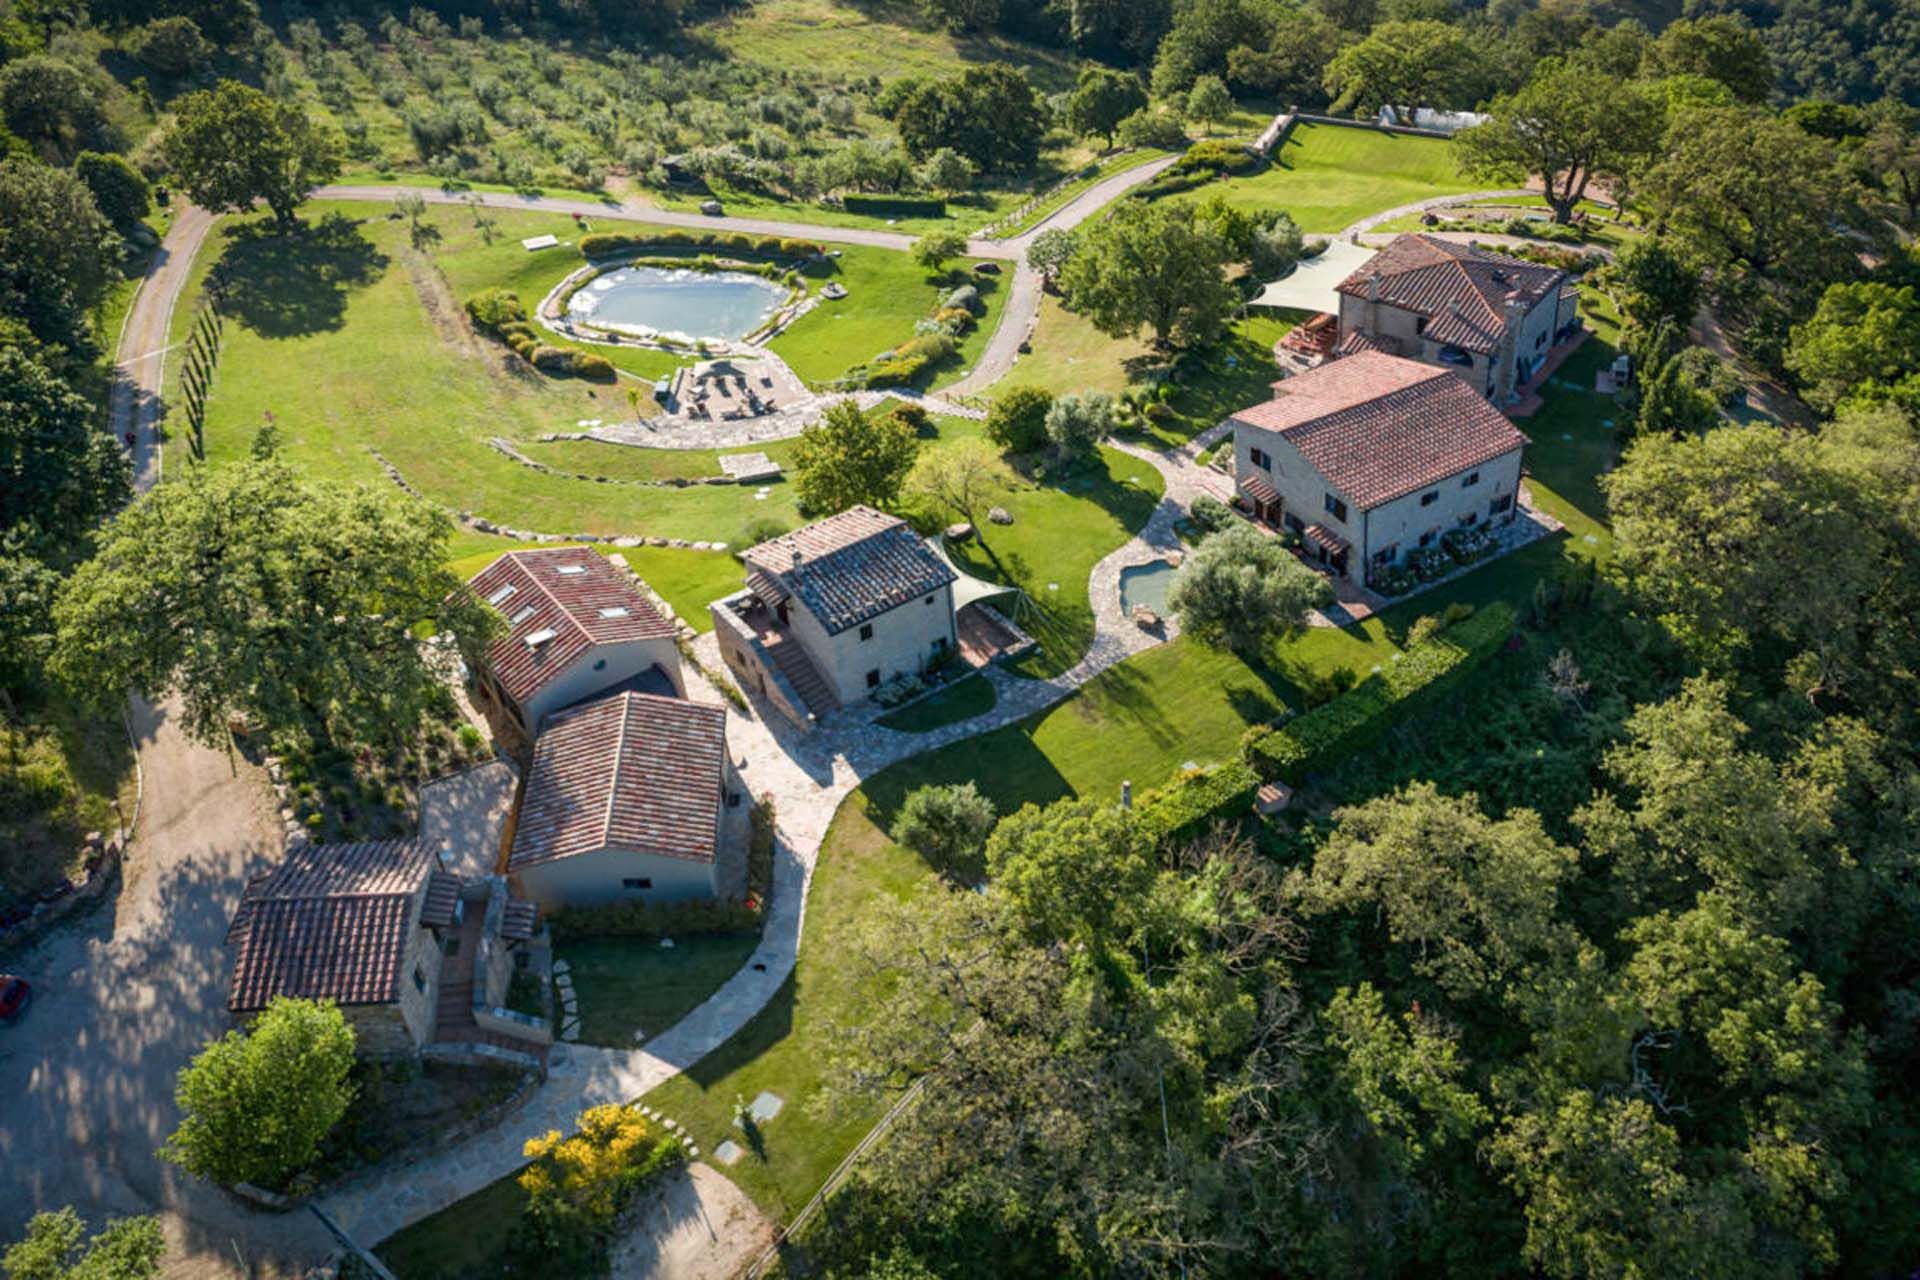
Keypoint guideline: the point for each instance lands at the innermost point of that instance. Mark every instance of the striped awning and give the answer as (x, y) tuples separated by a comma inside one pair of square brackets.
[(1324, 538), (1259, 488)]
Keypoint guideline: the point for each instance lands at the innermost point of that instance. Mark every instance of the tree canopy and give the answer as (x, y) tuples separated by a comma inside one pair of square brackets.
[(1151, 266), (849, 457), (1243, 589), (1406, 66), (232, 145), (255, 594), (1566, 126)]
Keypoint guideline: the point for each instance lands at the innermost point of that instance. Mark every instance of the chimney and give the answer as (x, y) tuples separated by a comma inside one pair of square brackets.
[(1373, 287), (796, 559)]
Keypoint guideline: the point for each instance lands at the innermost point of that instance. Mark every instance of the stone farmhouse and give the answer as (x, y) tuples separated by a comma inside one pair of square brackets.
[(1371, 456), (630, 797), (377, 928), (577, 628), (836, 609), (1491, 318)]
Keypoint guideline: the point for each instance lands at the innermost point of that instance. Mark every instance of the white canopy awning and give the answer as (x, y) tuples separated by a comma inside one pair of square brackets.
[(968, 589), (1310, 286)]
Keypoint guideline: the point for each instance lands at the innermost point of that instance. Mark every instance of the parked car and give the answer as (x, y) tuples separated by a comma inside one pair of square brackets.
[(15, 995)]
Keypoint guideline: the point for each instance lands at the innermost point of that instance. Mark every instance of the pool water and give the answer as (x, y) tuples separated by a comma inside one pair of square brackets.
[(1147, 584), (686, 304)]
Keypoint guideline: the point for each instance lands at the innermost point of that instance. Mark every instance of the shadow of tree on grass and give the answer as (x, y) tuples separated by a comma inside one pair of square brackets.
[(286, 284)]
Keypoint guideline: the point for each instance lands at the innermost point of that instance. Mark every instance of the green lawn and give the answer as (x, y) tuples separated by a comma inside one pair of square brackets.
[(634, 984), (963, 700), (1095, 171), (461, 1241), (887, 294), (348, 337), (1061, 527), (1329, 176)]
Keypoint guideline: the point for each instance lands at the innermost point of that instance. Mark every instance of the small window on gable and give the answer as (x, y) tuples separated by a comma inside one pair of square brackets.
[(499, 595), (928, 600), (419, 979), (1473, 478), (866, 631), (637, 882), (873, 678), (1430, 497)]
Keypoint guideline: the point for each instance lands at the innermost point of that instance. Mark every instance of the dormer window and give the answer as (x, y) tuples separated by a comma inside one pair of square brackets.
[(540, 637)]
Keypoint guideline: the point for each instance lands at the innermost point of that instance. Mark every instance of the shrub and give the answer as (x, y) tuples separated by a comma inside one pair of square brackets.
[(118, 189), (1210, 515), (576, 1187), (896, 206), (552, 359), (652, 920), (592, 367), (800, 249), (1424, 628), (765, 529), (955, 320), (965, 298), (1355, 719), (494, 310), (172, 46), (1017, 421), (1184, 808), (948, 826), (1149, 128), (1216, 155)]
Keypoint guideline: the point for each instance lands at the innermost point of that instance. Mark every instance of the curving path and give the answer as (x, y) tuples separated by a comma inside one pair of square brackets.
[(1373, 220)]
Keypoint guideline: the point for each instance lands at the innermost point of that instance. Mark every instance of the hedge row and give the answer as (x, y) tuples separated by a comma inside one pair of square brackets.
[(1202, 163), (498, 314), (652, 920), (1312, 741), (896, 206), (607, 244), (1184, 808)]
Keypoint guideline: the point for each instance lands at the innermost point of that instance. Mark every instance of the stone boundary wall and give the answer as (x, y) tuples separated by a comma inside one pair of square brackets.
[(507, 449), (69, 897)]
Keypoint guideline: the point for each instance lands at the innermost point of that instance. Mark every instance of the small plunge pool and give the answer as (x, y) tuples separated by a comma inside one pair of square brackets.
[(1147, 584), (677, 302)]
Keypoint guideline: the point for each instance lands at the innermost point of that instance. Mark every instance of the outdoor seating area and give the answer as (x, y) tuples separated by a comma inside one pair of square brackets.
[(733, 390)]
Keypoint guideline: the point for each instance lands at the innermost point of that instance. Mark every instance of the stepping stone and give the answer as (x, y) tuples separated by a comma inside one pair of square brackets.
[(561, 969), (1591, 539), (728, 1152), (647, 1111), (570, 1023), (571, 1005), (1053, 586), (766, 1106), (639, 1036), (693, 1152), (571, 1033)]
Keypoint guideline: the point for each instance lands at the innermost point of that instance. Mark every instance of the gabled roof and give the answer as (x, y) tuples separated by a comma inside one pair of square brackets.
[(1377, 427), (1463, 291), (560, 602), (635, 771), (330, 922), (847, 568)]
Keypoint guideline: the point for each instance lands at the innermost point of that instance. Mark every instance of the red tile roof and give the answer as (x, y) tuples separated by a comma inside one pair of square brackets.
[(330, 922), (850, 567), (572, 596), (1377, 427), (635, 771), (1463, 291)]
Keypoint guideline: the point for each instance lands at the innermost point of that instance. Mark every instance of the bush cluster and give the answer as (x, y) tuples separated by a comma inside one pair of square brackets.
[(896, 206), (499, 314), (1202, 163), (1309, 742), (905, 364), (652, 920), (1184, 808), (608, 244)]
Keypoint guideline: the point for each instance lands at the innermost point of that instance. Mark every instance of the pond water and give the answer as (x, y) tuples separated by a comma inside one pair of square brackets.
[(686, 304), (1147, 584)]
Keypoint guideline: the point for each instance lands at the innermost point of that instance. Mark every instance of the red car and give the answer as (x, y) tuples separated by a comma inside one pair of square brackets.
[(15, 996)]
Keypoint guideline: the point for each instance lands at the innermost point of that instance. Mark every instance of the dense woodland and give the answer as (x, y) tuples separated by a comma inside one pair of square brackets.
[(1611, 968)]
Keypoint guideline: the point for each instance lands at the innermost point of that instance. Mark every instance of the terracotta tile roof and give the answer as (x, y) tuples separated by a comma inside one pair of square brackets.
[(1354, 341), (330, 922), (1463, 291), (568, 599), (634, 771), (1377, 427), (851, 567)]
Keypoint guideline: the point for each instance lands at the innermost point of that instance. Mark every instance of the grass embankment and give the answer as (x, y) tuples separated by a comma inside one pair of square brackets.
[(1331, 176)]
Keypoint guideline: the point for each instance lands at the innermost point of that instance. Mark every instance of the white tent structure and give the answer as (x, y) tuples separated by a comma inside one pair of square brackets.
[(1312, 285), (968, 589)]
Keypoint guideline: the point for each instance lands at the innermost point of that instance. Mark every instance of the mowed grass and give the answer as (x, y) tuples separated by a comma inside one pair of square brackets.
[(628, 985), (884, 38), (887, 294), (463, 1240), (1061, 527), (962, 700), (1330, 176)]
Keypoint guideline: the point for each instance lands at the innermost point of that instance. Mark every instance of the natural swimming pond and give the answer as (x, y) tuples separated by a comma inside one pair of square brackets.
[(1147, 584), (681, 303)]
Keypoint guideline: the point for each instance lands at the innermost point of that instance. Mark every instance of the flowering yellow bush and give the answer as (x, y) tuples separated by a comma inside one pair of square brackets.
[(594, 1172)]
